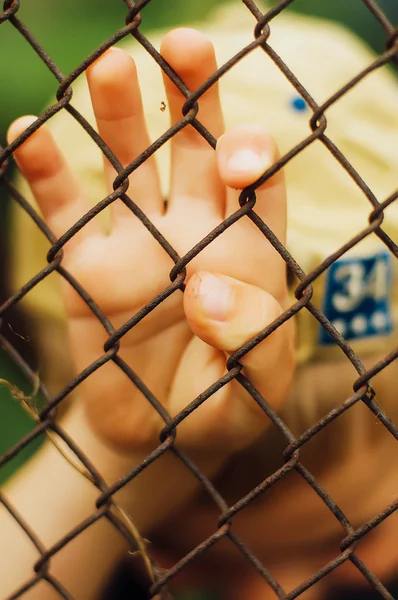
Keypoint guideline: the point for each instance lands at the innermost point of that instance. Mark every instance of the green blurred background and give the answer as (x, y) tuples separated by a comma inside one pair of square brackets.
[(69, 31)]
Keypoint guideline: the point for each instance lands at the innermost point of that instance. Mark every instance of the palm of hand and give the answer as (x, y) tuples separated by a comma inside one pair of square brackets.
[(178, 350)]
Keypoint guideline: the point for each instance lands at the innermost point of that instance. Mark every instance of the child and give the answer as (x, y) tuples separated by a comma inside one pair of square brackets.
[(235, 288)]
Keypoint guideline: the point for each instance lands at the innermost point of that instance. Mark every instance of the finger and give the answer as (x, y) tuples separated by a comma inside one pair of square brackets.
[(244, 153), (54, 187), (117, 104), (226, 313), (194, 171)]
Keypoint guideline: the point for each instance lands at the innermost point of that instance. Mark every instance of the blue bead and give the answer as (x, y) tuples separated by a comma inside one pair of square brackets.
[(298, 103)]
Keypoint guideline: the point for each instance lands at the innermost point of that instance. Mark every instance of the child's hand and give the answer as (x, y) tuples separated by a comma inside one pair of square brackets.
[(235, 287)]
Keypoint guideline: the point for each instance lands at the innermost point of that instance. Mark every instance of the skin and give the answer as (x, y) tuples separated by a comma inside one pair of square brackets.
[(109, 266), (234, 289)]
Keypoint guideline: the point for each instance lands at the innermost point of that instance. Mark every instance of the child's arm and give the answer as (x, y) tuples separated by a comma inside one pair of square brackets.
[(53, 498), (235, 288)]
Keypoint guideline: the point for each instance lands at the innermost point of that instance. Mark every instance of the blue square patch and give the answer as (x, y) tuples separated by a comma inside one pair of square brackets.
[(357, 297)]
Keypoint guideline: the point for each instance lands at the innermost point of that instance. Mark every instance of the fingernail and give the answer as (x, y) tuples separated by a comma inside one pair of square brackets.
[(216, 297), (19, 126), (249, 161)]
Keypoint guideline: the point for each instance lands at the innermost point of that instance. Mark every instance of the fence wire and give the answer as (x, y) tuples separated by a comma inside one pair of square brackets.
[(46, 421)]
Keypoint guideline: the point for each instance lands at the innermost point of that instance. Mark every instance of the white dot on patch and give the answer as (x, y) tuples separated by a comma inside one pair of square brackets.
[(340, 325), (359, 324), (379, 320)]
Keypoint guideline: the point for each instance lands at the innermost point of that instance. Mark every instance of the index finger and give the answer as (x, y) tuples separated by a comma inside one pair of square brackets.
[(244, 154)]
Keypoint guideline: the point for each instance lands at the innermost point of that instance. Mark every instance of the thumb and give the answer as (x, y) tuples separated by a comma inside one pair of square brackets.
[(226, 313)]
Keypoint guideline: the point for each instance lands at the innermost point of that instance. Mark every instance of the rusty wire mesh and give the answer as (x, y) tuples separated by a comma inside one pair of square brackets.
[(363, 392)]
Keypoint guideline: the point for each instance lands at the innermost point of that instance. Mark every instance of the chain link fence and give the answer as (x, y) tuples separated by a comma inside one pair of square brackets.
[(158, 579)]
